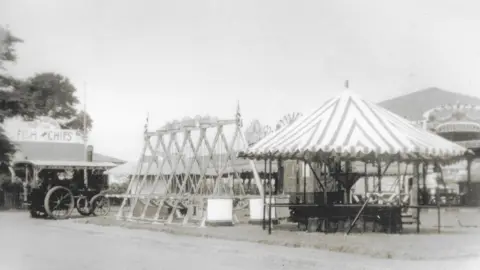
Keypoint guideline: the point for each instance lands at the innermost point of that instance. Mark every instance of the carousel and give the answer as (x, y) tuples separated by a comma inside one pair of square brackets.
[(459, 123), (340, 143)]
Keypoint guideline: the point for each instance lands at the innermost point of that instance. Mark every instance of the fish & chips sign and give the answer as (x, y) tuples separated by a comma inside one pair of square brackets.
[(48, 135)]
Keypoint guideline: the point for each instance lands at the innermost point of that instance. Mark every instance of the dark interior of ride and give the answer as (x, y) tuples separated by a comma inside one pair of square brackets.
[(59, 191)]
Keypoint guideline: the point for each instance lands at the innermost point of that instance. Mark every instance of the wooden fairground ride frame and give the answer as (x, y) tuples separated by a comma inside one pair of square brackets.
[(54, 188), (183, 180)]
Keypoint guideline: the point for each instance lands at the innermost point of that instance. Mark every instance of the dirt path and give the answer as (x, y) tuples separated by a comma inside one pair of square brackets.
[(43, 244)]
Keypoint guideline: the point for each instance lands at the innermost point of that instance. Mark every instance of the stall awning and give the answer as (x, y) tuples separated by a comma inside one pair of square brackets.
[(350, 126)]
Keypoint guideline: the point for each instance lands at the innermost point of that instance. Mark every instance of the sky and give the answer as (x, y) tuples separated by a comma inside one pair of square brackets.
[(182, 58)]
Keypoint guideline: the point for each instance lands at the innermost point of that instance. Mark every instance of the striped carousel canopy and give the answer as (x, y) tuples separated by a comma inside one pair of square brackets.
[(348, 126)]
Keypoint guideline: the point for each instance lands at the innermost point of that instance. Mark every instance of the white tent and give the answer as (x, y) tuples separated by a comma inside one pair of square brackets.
[(122, 173)]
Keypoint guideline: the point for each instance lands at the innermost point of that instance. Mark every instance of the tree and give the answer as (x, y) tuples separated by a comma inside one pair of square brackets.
[(14, 103), (288, 119), (7, 149), (11, 102), (256, 131), (7, 46), (77, 122), (54, 96)]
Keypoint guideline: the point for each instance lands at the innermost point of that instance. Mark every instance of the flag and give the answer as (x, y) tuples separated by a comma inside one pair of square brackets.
[(238, 116), (146, 123)]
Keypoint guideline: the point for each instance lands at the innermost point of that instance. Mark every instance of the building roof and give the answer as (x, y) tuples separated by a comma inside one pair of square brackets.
[(104, 158), (57, 151), (62, 164)]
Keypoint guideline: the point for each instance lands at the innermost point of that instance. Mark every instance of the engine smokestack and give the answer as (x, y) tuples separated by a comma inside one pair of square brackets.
[(90, 153)]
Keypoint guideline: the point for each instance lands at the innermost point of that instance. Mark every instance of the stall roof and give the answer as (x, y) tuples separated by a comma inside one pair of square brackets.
[(61, 164), (57, 151), (350, 127)]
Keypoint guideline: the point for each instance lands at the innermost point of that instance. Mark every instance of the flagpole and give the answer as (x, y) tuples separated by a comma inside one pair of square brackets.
[(85, 119), (85, 138)]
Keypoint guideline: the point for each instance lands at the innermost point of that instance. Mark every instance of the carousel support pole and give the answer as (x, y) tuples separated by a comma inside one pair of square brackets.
[(424, 183), (325, 178), (365, 180), (264, 196), (406, 183), (347, 188), (379, 175), (468, 192), (270, 198), (437, 200), (297, 182), (416, 192), (280, 175), (325, 198), (399, 184), (304, 182), (366, 190)]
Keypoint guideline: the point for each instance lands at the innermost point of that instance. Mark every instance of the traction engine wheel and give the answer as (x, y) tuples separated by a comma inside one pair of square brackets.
[(84, 208), (59, 203), (100, 205)]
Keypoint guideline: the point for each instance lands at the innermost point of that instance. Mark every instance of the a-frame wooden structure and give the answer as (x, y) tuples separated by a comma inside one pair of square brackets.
[(188, 167)]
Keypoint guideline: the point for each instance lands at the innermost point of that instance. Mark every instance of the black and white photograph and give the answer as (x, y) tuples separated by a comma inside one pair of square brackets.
[(253, 134)]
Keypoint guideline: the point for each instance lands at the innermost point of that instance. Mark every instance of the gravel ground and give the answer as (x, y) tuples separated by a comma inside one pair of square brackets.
[(459, 238), (452, 243), (46, 244)]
